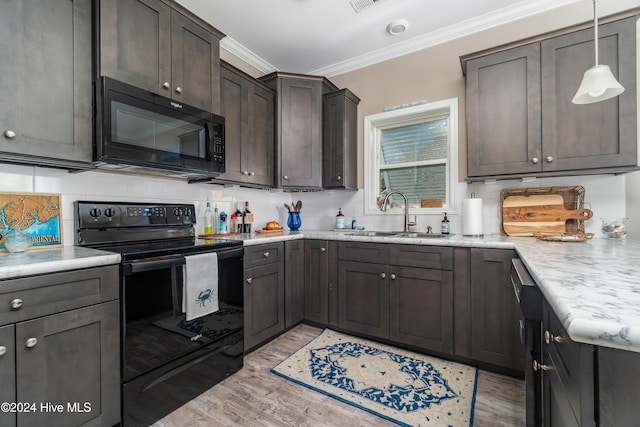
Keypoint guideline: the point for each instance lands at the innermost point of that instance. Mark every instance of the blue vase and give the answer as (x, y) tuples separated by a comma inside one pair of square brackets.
[(294, 222)]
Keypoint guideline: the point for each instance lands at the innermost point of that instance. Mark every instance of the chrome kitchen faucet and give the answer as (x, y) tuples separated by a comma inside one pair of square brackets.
[(407, 223)]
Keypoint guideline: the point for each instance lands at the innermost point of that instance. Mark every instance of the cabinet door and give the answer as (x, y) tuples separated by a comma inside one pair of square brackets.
[(71, 358), (45, 63), (195, 64), (495, 333), (300, 150), (7, 373), (596, 135), (294, 270), (503, 112), (421, 308), (135, 43), (316, 281), (556, 407), (259, 145), (234, 102), (363, 290), (340, 140), (263, 303)]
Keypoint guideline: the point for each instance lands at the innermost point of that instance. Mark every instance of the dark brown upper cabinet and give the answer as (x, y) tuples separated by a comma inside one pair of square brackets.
[(45, 64), (520, 118), (161, 47), (299, 102), (248, 107), (340, 138)]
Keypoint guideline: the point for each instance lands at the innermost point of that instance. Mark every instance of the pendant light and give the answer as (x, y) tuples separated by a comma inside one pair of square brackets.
[(598, 82)]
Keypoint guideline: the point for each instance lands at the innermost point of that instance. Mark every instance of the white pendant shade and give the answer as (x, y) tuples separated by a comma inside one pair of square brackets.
[(597, 85), (598, 82)]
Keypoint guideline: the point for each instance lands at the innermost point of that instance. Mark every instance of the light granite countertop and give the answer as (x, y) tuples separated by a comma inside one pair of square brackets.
[(45, 261), (593, 287)]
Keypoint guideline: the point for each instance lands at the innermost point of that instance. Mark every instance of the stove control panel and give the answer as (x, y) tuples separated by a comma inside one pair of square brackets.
[(124, 215)]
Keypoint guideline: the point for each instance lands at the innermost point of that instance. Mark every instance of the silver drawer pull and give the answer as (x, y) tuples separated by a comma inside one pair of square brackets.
[(540, 367), (549, 338), (31, 342), (393, 276), (549, 159), (9, 134), (266, 254), (16, 304), (178, 89), (535, 160), (249, 280), (322, 249), (339, 178), (383, 275), (166, 85), (3, 350)]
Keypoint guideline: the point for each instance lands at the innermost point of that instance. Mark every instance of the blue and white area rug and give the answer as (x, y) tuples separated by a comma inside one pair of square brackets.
[(408, 388)]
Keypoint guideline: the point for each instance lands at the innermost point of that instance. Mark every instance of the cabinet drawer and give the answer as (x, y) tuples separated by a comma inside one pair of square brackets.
[(364, 252), (52, 293), (435, 257), (255, 256)]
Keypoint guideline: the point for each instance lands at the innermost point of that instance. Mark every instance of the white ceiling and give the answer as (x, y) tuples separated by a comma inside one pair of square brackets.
[(328, 37)]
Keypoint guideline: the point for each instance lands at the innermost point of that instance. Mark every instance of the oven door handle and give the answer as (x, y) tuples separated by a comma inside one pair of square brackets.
[(150, 264)]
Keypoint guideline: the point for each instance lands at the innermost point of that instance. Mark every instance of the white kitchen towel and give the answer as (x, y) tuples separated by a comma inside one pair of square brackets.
[(200, 285)]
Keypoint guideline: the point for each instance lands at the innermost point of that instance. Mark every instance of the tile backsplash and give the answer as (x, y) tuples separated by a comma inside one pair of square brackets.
[(604, 194)]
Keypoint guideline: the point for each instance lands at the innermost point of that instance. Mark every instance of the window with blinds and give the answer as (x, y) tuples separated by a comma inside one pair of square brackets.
[(412, 150)]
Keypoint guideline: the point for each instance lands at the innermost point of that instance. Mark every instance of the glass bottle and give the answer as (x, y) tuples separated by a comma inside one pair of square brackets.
[(208, 220), (340, 222), (247, 218), (445, 224)]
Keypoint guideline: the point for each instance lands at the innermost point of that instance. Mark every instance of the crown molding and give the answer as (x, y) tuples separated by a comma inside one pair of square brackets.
[(241, 52)]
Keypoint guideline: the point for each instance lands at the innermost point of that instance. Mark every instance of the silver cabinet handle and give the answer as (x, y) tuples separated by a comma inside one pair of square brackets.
[(16, 304), (166, 85), (549, 338), (252, 173), (31, 342), (266, 254), (285, 177), (249, 280), (535, 160), (383, 275), (393, 276), (339, 178), (540, 367), (3, 350), (9, 134), (322, 249), (178, 89), (549, 159), (245, 172)]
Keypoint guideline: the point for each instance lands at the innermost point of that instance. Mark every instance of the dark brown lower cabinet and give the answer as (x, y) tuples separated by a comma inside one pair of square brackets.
[(421, 308), (567, 370), (263, 303), (397, 300), (363, 295), (294, 282), (618, 373), (63, 359), (316, 281), (494, 313)]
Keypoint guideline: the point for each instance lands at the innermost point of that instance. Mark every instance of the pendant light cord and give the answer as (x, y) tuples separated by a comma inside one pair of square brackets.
[(595, 27)]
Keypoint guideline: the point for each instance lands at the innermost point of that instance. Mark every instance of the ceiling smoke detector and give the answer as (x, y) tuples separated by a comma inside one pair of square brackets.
[(359, 5), (397, 26)]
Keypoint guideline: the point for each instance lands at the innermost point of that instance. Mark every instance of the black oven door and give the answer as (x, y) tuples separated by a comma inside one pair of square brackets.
[(154, 329)]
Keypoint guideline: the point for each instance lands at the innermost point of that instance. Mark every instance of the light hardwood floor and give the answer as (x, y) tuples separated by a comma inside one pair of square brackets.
[(256, 397)]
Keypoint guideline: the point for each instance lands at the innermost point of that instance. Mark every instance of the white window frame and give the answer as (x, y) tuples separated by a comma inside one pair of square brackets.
[(405, 116)]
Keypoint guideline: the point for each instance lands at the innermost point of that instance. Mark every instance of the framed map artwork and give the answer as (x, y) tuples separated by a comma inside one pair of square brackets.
[(37, 215)]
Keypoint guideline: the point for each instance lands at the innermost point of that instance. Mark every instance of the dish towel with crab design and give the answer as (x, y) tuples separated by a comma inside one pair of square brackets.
[(407, 388), (200, 285)]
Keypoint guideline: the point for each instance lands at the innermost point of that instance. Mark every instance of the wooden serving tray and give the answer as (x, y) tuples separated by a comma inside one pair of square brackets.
[(263, 231)]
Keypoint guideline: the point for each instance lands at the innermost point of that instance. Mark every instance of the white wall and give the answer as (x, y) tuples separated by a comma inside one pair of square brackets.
[(105, 186), (633, 205), (604, 194)]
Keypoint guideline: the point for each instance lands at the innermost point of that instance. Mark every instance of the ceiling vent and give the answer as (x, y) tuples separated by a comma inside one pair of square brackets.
[(360, 5)]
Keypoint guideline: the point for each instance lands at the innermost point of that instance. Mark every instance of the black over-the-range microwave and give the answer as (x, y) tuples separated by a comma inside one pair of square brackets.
[(140, 131)]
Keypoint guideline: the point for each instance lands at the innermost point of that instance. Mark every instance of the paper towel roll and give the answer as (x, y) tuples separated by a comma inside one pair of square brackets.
[(472, 217)]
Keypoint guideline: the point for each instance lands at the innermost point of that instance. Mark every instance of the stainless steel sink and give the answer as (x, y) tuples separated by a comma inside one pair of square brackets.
[(423, 235), (373, 233)]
